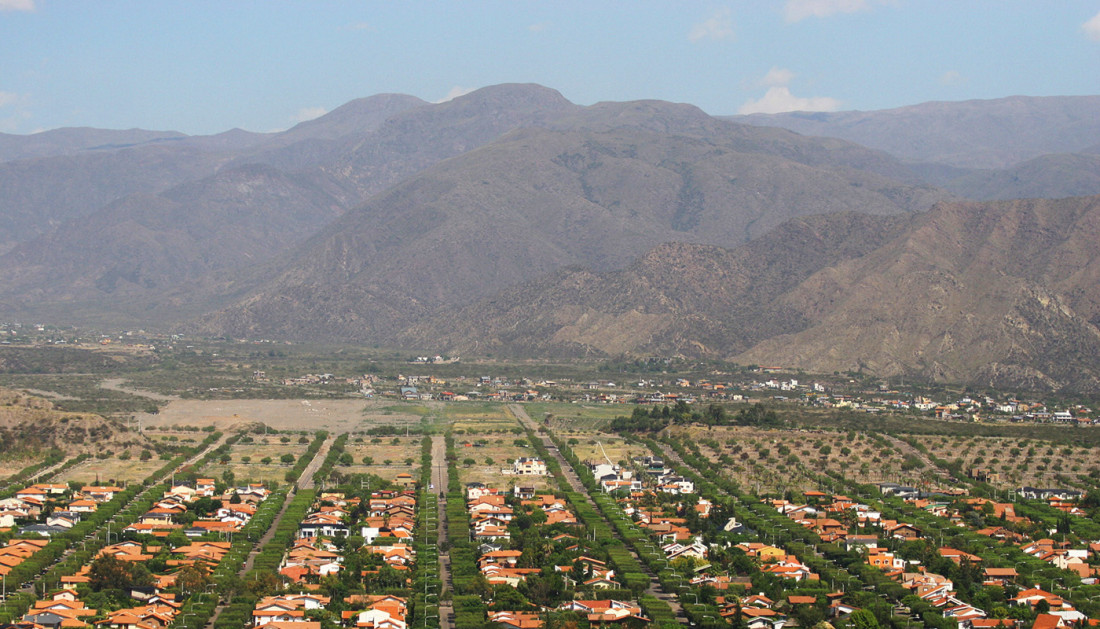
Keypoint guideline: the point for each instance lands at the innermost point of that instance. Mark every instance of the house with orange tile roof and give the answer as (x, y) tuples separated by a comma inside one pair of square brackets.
[(100, 493), (958, 556), (999, 576), (517, 620), (606, 612)]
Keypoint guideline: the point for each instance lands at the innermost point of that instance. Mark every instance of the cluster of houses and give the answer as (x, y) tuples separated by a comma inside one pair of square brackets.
[(16, 552), (47, 509), (64, 608), (491, 510), (776, 561), (934, 589), (824, 518), (233, 508), (490, 515), (155, 606), (1060, 554), (366, 611), (613, 477), (386, 523), (760, 612)]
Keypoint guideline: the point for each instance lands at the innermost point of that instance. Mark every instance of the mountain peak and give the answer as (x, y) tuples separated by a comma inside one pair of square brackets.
[(361, 115), (512, 96)]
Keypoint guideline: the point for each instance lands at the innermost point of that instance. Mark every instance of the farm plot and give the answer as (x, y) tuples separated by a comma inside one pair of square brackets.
[(480, 417), (576, 417), (483, 456), (110, 470), (259, 461), (599, 447), (383, 457), (777, 460), (337, 416), (1008, 462)]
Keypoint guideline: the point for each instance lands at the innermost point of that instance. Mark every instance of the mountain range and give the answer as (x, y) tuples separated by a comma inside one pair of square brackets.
[(513, 222)]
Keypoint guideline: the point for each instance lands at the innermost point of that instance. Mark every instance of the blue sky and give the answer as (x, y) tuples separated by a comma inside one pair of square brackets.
[(204, 67)]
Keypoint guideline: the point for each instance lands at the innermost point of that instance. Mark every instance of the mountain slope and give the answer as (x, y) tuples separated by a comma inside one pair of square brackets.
[(139, 249), (540, 199), (678, 298), (1006, 294), (1046, 177), (970, 134), (72, 140), (41, 194), (1000, 292), (144, 244)]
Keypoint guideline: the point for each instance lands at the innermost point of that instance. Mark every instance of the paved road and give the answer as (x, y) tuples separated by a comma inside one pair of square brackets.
[(439, 479), (654, 588)]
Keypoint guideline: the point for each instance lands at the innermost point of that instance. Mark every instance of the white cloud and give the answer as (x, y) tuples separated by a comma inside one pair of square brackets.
[(16, 5), (719, 26), (14, 118), (796, 10), (538, 28), (309, 113), (1092, 28), (777, 76), (779, 99), (951, 77), (455, 92), (357, 26)]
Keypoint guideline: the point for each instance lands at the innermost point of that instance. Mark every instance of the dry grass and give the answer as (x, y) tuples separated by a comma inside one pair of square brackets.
[(592, 446), (406, 448), (479, 417), (110, 470), (254, 470), (577, 417), (499, 448), (332, 415), (12, 462)]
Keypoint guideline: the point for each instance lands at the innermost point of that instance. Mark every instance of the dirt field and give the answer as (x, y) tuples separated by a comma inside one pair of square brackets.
[(14, 462), (254, 470), (337, 416), (480, 417)]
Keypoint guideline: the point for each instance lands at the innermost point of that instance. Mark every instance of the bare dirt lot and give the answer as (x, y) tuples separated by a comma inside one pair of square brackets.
[(337, 416)]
